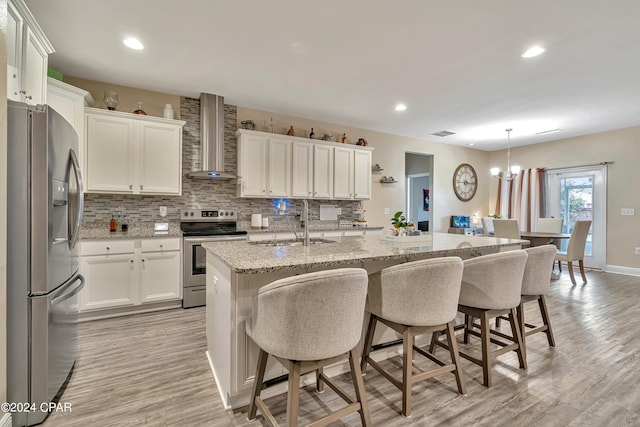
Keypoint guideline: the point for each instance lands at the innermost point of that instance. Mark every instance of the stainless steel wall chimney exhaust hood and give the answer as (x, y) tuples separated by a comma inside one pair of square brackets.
[(211, 139)]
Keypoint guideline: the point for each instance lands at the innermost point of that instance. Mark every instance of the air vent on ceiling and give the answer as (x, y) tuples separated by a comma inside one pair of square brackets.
[(443, 133)]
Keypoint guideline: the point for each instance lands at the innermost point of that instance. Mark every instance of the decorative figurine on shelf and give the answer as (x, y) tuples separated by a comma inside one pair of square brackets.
[(111, 99), (273, 126), (290, 131), (140, 110), (344, 138), (312, 135), (361, 141)]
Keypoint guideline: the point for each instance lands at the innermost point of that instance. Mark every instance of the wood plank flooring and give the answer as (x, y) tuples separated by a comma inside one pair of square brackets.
[(151, 369)]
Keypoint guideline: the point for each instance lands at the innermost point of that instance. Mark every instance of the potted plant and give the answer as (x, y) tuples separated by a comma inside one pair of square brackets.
[(400, 224)]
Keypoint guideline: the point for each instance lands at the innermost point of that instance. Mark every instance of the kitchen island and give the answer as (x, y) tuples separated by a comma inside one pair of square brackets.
[(237, 269)]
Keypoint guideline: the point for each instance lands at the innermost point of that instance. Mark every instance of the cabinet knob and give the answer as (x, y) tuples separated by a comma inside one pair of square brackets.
[(28, 97), (160, 246), (131, 261), (24, 92), (108, 248), (142, 259), (130, 186)]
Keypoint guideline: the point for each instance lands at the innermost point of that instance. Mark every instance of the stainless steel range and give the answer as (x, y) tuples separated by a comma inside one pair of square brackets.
[(199, 226)]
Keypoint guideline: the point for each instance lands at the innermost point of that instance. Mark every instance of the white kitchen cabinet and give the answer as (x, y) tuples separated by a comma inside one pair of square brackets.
[(343, 172), (110, 274), (70, 102), (130, 272), (362, 175), (273, 166), (28, 52), (133, 154), (302, 170), (264, 166), (322, 172)]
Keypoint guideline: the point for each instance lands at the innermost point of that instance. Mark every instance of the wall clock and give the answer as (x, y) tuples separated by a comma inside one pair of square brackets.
[(465, 182)]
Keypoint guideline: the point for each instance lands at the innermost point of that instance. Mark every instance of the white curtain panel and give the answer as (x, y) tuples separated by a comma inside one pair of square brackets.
[(522, 198)]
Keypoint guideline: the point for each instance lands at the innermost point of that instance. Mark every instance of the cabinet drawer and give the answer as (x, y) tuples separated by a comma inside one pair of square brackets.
[(107, 247), (158, 245)]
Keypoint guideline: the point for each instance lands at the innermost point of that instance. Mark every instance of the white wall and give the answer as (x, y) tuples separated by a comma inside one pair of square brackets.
[(3, 201)]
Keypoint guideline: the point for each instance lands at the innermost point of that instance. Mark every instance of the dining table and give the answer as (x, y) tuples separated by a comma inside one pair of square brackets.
[(537, 238)]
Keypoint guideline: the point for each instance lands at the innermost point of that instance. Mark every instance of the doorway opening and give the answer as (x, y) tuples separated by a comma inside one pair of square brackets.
[(419, 197)]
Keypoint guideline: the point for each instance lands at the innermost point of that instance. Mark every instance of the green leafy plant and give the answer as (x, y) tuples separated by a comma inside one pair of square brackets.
[(399, 220), (496, 216)]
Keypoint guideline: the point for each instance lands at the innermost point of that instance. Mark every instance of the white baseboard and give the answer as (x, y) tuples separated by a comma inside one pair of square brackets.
[(629, 271), (223, 397), (6, 420)]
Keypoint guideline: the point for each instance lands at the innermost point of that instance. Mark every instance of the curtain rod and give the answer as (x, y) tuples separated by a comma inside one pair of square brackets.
[(581, 166)]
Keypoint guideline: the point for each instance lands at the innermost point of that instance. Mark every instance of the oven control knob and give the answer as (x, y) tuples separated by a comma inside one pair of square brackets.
[(191, 213), (231, 213)]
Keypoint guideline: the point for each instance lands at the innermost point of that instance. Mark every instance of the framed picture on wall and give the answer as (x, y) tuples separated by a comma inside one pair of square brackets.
[(425, 199)]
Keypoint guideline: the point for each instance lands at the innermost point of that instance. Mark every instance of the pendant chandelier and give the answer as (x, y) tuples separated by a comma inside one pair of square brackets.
[(512, 171)]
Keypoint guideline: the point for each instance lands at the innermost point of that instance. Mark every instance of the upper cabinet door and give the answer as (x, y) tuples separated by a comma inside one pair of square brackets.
[(322, 171), (362, 175), (302, 170), (34, 72), (252, 165), (279, 168), (109, 154), (27, 55), (343, 173), (160, 154)]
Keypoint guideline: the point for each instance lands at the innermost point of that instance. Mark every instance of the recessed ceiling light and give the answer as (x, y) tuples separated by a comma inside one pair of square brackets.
[(401, 107), (470, 144), (133, 43), (533, 51)]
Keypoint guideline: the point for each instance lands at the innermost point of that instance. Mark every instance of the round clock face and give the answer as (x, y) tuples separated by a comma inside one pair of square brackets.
[(465, 182)]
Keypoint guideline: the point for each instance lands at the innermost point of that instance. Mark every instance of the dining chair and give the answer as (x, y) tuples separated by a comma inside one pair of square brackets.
[(487, 226), (575, 249), (549, 225), (307, 322), (415, 298), (507, 228)]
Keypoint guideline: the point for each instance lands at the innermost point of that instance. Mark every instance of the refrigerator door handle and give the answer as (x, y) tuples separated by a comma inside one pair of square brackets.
[(74, 290), (74, 229)]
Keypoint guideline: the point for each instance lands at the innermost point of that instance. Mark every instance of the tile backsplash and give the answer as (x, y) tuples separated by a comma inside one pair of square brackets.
[(198, 193)]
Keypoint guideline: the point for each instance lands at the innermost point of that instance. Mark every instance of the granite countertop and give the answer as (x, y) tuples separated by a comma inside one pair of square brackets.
[(290, 227), (100, 231), (244, 257)]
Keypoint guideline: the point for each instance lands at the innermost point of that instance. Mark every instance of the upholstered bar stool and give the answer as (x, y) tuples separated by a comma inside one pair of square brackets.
[(535, 284), (491, 287), (415, 298), (575, 249), (307, 322)]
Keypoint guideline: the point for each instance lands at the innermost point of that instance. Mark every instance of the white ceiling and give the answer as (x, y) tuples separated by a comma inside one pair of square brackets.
[(455, 64)]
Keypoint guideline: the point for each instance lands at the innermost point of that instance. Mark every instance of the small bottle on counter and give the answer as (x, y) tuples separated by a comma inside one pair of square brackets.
[(344, 138), (124, 226), (113, 224), (312, 135)]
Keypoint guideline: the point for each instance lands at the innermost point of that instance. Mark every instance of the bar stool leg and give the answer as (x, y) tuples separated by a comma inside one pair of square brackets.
[(485, 337), (257, 383), (520, 351), (358, 385), (293, 395), (319, 382), (407, 368), (545, 319), (455, 358), (368, 342)]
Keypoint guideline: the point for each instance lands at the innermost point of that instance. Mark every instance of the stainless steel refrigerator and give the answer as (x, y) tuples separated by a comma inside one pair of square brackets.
[(44, 213)]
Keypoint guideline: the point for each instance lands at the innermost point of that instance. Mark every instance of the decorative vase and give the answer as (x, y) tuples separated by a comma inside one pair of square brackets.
[(168, 111), (140, 110), (111, 99)]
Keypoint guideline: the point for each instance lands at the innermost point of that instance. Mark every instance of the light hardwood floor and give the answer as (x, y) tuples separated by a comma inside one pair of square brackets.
[(151, 369)]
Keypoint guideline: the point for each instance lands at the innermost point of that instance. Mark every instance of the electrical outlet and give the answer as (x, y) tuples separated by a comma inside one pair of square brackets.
[(386, 211), (163, 211), (637, 250), (627, 211)]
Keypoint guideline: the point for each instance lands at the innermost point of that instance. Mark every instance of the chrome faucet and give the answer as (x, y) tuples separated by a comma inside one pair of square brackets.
[(305, 218)]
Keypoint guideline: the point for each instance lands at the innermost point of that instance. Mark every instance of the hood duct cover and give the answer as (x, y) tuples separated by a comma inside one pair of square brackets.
[(211, 139)]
